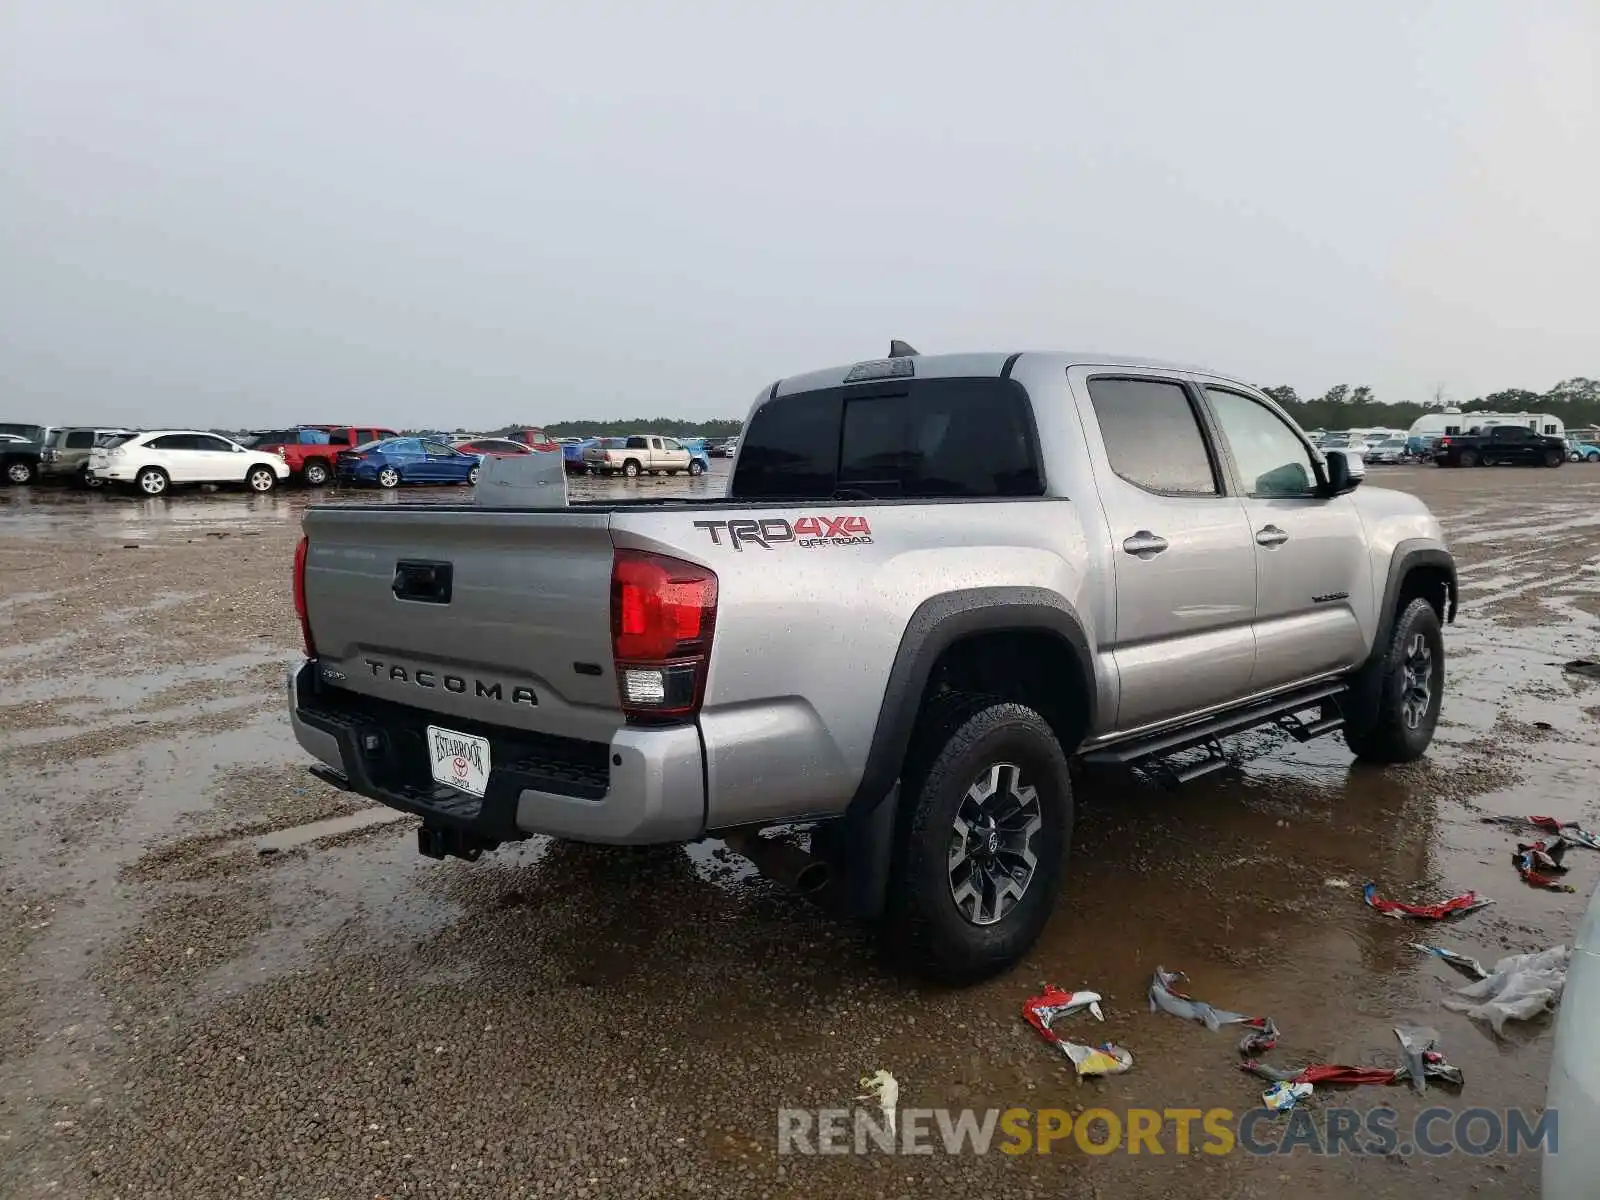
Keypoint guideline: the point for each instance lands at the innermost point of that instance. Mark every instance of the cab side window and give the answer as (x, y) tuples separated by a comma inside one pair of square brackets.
[(1273, 462)]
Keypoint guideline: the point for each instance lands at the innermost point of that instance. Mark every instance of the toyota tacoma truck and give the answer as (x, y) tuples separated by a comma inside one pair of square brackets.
[(934, 580)]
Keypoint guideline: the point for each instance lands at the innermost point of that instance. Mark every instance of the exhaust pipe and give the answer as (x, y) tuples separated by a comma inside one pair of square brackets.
[(780, 861)]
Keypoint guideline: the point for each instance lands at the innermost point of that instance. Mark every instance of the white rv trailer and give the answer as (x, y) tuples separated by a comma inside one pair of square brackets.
[(1453, 420)]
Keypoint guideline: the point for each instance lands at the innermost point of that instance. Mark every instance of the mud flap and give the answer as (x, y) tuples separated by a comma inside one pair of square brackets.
[(857, 848)]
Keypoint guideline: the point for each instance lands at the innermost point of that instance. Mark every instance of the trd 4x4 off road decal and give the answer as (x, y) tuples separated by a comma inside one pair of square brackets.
[(807, 532)]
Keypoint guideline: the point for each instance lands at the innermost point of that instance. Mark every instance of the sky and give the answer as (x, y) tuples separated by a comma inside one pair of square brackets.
[(476, 213)]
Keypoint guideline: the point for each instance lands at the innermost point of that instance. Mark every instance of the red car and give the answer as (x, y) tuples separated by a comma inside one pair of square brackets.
[(493, 447), (310, 458), (534, 439)]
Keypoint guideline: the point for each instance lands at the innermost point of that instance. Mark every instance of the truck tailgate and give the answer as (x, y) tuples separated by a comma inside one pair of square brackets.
[(495, 616)]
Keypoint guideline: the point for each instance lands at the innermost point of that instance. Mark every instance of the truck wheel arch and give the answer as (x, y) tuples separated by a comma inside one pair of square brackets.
[(940, 626), (1418, 567)]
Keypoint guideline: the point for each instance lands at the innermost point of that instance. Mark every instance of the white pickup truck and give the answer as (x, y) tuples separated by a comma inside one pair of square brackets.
[(641, 454), (934, 579)]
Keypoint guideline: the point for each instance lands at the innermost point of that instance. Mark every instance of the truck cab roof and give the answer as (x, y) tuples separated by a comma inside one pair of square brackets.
[(977, 365)]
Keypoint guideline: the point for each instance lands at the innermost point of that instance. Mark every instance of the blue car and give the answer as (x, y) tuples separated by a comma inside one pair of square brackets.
[(1579, 450), (393, 461)]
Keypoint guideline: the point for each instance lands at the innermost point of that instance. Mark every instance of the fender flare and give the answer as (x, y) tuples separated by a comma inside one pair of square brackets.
[(938, 623), (1409, 554)]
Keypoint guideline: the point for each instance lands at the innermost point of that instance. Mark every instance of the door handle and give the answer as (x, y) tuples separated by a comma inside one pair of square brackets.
[(1271, 535), (426, 582), (1144, 544)]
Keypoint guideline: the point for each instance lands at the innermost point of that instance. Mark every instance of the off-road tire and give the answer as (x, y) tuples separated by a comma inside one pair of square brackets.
[(1380, 733), (957, 737)]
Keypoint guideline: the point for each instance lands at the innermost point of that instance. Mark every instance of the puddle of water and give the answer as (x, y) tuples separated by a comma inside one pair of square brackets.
[(301, 835)]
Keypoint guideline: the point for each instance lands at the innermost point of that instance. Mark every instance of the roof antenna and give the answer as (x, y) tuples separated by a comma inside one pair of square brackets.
[(899, 349)]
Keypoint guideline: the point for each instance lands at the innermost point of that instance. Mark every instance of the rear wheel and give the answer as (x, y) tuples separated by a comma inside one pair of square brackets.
[(631, 469), (19, 471), (1404, 692), (152, 481), (261, 479), (696, 467), (472, 476), (388, 478), (984, 826), (1593, 457), (1469, 458), (315, 473)]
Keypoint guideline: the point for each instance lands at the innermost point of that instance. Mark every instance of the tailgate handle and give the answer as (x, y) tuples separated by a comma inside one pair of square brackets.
[(425, 582)]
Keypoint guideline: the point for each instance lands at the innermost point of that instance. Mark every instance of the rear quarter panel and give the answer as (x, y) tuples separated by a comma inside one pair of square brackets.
[(807, 634)]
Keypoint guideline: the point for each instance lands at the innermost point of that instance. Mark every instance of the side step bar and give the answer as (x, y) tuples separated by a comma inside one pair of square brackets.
[(1281, 710)]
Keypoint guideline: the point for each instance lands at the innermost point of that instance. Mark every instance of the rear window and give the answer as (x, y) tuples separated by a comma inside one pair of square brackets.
[(917, 440), (271, 437), (28, 433), (108, 440)]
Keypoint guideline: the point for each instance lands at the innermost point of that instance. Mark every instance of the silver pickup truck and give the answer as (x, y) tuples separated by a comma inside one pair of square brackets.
[(934, 580)]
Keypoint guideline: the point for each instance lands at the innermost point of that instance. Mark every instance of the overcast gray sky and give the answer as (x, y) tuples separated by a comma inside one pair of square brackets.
[(467, 213)]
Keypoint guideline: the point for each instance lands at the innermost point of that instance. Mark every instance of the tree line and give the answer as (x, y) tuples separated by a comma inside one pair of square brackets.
[(1575, 401)]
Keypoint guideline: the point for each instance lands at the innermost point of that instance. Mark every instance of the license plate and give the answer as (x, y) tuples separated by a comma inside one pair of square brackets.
[(459, 759)]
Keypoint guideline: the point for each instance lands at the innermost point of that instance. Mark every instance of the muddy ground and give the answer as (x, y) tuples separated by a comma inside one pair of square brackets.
[(220, 977)]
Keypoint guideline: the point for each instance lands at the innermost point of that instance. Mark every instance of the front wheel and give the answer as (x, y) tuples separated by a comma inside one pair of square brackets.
[(1402, 691), (1554, 458), (980, 838), (388, 478), (1490, 460), (261, 480)]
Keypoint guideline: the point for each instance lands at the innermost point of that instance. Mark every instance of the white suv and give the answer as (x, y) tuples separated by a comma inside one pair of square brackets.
[(154, 461)]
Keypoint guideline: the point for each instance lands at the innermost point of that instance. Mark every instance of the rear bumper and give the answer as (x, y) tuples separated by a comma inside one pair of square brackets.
[(647, 786)]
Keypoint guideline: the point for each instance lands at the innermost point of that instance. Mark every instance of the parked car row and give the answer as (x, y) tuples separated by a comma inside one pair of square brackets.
[(152, 461)]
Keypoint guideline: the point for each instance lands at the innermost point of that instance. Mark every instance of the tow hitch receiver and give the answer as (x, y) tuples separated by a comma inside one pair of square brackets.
[(434, 841)]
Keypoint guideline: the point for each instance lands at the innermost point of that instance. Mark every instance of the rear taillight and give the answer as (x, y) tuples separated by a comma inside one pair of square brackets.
[(1444, 441), (300, 597), (663, 611)]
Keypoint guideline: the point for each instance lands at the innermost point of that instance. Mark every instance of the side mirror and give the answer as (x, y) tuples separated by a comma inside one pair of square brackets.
[(1341, 476)]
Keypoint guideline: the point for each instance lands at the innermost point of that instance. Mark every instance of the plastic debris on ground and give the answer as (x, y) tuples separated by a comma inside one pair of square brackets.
[(1540, 862), (1521, 986), (1165, 996), (1466, 902), (1281, 1097), (1460, 962), (1419, 1046), (885, 1089), (1043, 1010), (1569, 831)]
